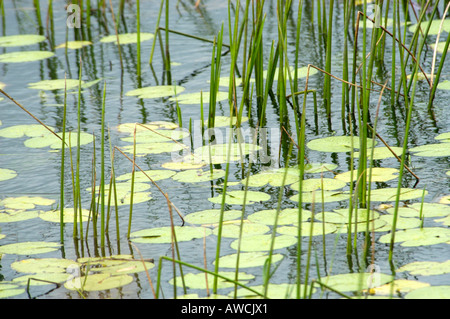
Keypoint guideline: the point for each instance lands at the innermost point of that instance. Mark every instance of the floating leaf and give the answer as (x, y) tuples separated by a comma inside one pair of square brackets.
[(127, 38), (198, 175), (40, 279), (341, 216), (285, 217), (153, 92), (376, 174), (116, 264), (211, 216), (146, 176), (355, 281), (6, 174), (130, 127), (74, 45), (426, 268), (321, 196), (419, 236), (50, 140), (164, 234), (445, 221), (29, 248), (11, 215), (274, 291), (248, 259), (57, 84), (182, 165), (430, 209), (196, 98), (96, 282), (440, 47), (445, 199), (25, 56), (237, 198), (43, 265), (221, 153), (433, 292), (247, 229), (336, 143), (444, 85), (26, 202), (203, 280), (263, 242), (225, 121), (434, 28), (317, 184), (398, 286), (319, 167), (54, 215), (8, 290), (301, 72), (443, 137), (154, 136), (272, 177), (308, 228), (382, 152), (401, 223), (20, 40), (390, 194), (30, 130), (432, 150), (154, 148)]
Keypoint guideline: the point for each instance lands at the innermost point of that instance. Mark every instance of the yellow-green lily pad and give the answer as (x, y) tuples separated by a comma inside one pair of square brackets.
[(225, 121), (12, 215), (211, 216), (238, 197), (308, 229), (116, 264), (221, 153), (6, 174), (8, 290), (154, 148), (355, 281), (248, 259), (247, 229), (202, 280), (380, 153), (432, 292), (56, 84), (25, 56), (197, 98), (146, 176), (397, 286), (426, 268), (275, 178), (155, 125), (43, 265), (127, 38), (317, 184), (390, 194), (50, 140), (419, 236), (444, 85), (74, 45), (198, 175), (26, 202), (20, 40), (336, 144), (153, 92), (434, 28), (29, 248), (21, 130), (43, 278), (325, 196), (285, 217), (97, 282), (432, 150), (164, 234), (54, 215), (376, 174), (154, 136), (263, 242), (274, 291)]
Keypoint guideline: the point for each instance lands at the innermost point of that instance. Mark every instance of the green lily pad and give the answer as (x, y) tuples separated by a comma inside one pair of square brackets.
[(97, 282), (272, 177), (29, 248), (301, 72), (377, 174), (443, 137), (355, 281), (26, 202), (317, 184), (116, 264), (390, 194), (25, 56), (432, 150), (29, 130), (402, 223), (74, 45), (445, 221), (211, 216), (221, 153), (248, 229), (321, 196), (8, 290), (50, 140), (263, 242), (20, 40), (154, 136), (198, 175), (237, 197), (445, 199), (426, 268), (43, 265), (308, 228), (57, 84), (196, 98), (182, 165), (12, 215), (285, 217), (336, 144), (154, 148), (434, 28), (146, 176), (155, 125), (164, 234), (248, 259), (225, 121), (54, 215), (341, 216), (274, 291), (432, 292), (44, 278), (431, 209), (153, 92), (444, 85), (127, 38), (202, 280), (398, 286), (419, 236), (440, 47), (380, 153), (311, 168), (6, 174)]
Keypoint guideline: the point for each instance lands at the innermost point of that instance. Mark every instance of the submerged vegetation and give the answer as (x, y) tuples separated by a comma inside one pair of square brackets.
[(296, 149)]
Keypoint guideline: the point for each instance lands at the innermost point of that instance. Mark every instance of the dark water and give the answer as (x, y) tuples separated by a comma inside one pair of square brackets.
[(39, 170)]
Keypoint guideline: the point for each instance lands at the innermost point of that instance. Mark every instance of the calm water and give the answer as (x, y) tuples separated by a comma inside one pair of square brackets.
[(39, 170)]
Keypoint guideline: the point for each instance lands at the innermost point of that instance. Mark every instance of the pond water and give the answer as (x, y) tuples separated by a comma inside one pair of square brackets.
[(39, 169)]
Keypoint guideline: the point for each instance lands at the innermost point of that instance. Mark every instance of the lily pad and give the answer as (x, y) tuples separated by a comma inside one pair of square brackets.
[(29, 248), (321, 196), (221, 153), (97, 282), (197, 98), (248, 259), (12, 215), (376, 174), (164, 234), (211, 216), (274, 291), (434, 28), (272, 177), (443, 137), (182, 165), (419, 236), (20, 40), (202, 280), (311, 168), (380, 153), (25, 56), (26, 202), (390, 194), (50, 140), (54, 215), (198, 175), (74, 45), (43, 265), (8, 290), (440, 47), (40, 279), (433, 292), (153, 92), (426, 268), (154, 148), (301, 72), (444, 85), (116, 264), (431, 209), (155, 125), (6, 174), (432, 150), (237, 198), (248, 230), (317, 184), (308, 228), (225, 121), (21, 130), (57, 84), (263, 242), (154, 136), (341, 216), (127, 38), (336, 144), (445, 221), (285, 217), (401, 223), (398, 286), (146, 176), (355, 281)]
